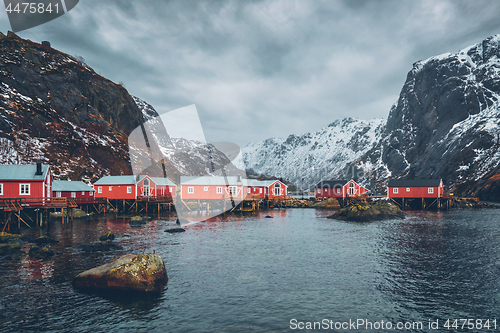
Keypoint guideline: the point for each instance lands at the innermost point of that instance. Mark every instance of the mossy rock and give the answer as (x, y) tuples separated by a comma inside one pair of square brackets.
[(107, 236), (380, 210), (42, 253), (5, 237), (144, 273), (8, 247), (136, 218), (330, 203)]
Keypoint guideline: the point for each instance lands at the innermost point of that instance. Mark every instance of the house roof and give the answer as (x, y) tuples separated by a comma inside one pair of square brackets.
[(116, 180), (414, 182), (223, 181), (332, 183), (70, 186), (266, 183), (22, 172), (207, 180), (159, 181)]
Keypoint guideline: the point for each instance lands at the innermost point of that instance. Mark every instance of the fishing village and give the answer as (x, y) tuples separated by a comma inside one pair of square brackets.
[(30, 196)]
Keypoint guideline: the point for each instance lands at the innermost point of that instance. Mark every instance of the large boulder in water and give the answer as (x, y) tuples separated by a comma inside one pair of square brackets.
[(380, 210), (143, 272)]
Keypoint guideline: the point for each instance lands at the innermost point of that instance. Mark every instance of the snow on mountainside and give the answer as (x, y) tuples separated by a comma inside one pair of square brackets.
[(309, 158), (181, 156), (446, 123)]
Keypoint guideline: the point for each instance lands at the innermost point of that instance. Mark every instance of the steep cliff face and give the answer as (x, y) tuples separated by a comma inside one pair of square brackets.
[(446, 123), (56, 109), (307, 159)]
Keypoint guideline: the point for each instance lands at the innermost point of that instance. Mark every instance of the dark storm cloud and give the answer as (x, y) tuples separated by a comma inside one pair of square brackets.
[(257, 69)]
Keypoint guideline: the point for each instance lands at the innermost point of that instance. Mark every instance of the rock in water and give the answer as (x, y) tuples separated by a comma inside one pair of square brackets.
[(175, 230), (143, 272), (107, 236), (380, 210)]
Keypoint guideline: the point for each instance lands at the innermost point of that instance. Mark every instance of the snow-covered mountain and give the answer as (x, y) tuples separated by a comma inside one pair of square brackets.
[(446, 122), (180, 156), (309, 158)]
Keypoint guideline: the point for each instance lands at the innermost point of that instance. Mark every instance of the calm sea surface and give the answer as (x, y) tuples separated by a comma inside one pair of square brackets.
[(255, 274)]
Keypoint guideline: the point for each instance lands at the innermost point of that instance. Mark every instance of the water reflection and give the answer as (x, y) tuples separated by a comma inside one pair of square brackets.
[(442, 264)]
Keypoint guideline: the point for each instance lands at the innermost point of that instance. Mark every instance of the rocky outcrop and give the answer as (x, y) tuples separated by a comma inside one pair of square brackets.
[(145, 272), (446, 123), (366, 212), (55, 108)]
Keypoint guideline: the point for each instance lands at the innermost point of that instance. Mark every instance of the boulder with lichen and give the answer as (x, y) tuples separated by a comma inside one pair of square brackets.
[(143, 272)]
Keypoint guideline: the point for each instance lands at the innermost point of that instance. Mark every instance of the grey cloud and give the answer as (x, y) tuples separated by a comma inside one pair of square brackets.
[(257, 69)]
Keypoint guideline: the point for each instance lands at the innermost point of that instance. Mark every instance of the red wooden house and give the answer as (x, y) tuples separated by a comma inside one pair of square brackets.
[(212, 188), (72, 189), (266, 188), (415, 188), (133, 187), (25, 181), (116, 187), (155, 187), (339, 189)]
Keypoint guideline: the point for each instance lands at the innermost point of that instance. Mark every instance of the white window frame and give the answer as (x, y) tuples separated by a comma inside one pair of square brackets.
[(395, 190), (99, 189), (430, 190), (23, 187), (205, 188), (91, 194), (129, 189), (58, 194), (249, 190), (83, 192), (407, 189), (260, 190), (232, 190), (73, 195), (190, 189), (110, 188), (219, 190), (338, 191), (1, 188)]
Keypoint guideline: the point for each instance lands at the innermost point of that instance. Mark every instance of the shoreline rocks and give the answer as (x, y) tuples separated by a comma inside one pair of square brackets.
[(132, 272), (365, 212)]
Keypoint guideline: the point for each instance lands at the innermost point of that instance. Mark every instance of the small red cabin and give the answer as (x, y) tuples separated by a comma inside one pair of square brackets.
[(72, 189), (266, 188), (339, 189), (25, 181), (415, 188), (133, 187), (116, 187)]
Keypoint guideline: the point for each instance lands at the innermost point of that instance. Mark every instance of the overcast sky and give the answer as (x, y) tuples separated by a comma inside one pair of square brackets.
[(260, 69)]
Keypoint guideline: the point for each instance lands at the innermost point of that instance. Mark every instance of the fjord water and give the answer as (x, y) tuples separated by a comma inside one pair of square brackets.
[(255, 274)]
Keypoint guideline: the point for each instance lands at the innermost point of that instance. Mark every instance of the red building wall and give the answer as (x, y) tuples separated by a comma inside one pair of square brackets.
[(272, 191), (114, 191), (416, 192), (341, 192), (11, 189), (67, 194), (210, 193)]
